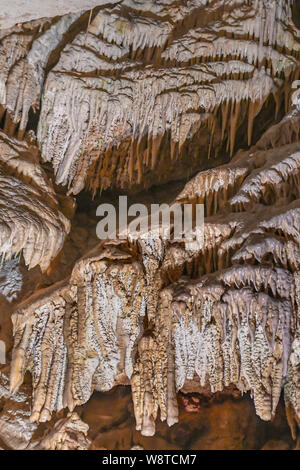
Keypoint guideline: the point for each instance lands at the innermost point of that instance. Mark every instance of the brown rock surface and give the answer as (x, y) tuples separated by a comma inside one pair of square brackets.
[(146, 341)]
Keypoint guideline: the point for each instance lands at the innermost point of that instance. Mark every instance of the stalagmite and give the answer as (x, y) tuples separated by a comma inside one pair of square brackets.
[(69, 433)]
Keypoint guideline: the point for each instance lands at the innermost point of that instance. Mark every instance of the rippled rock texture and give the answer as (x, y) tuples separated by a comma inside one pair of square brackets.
[(191, 102)]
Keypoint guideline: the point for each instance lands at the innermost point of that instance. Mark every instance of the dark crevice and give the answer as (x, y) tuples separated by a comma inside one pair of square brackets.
[(33, 120), (296, 13)]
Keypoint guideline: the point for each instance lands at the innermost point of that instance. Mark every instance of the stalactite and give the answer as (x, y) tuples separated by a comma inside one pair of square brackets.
[(151, 101), (26, 77), (144, 96), (90, 324), (32, 221), (69, 433)]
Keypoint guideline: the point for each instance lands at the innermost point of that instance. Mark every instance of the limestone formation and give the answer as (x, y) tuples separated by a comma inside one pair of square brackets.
[(16, 430), (69, 433), (32, 221), (131, 88), (198, 96), (81, 335)]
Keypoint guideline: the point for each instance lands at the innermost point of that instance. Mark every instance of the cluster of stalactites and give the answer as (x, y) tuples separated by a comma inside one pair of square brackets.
[(231, 313), (232, 321), (31, 219), (68, 433), (80, 335), (210, 77), (227, 331), (192, 76), (25, 52), (238, 323)]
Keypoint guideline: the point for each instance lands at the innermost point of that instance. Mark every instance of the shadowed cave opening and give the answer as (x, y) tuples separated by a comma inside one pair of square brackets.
[(296, 13), (206, 422), (189, 163)]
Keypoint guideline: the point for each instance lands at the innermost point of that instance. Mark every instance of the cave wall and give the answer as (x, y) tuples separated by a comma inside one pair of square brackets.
[(148, 341)]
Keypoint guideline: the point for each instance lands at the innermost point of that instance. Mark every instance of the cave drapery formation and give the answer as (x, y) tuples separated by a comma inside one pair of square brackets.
[(121, 98)]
